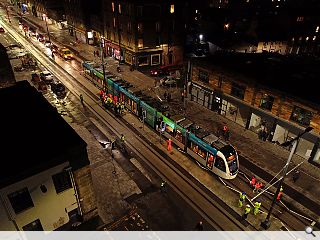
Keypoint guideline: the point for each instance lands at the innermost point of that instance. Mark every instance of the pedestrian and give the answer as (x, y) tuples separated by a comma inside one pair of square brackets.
[(165, 95), (247, 210), (257, 206), (169, 145), (253, 181), (169, 97), (227, 135), (257, 186), (81, 99), (242, 198), (296, 175), (182, 96), (199, 226), (52, 56), (94, 53), (280, 194), (122, 138), (122, 107), (224, 130), (163, 186)]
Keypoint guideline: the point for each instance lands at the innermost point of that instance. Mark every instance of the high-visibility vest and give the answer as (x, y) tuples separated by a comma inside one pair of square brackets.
[(247, 210), (257, 205), (122, 138), (242, 196)]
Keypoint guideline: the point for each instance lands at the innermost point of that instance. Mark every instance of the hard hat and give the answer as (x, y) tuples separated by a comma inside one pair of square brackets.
[(258, 200), (243, 192), (248, 205)]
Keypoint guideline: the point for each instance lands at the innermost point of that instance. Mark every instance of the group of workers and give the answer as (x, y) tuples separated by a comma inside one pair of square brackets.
[(247, 210)]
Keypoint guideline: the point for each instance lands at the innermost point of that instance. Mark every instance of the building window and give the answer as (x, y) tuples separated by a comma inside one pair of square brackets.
[(157, 27), (143, 60), (61, 181), (139, 11), (119, 8), (172, 8), (129, 27), (266, 102), (33, 226), (140, 28), (112, 6), (301, 116), (203, 76), (155, 59), (20, 200), (140, 43), (238, 90), (220, 80), (158, 41), (300, 19), (114, 22)]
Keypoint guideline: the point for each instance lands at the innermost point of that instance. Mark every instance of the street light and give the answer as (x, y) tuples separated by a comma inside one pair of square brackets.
[(294, 142), (45, 18)]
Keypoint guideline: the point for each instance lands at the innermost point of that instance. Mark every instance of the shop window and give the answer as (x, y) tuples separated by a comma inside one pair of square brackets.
[(203, 76), (61, 181), (20, 200), (112, 6), (179, 136), (266, 102), (219, 163), (119, 8), (143, 60), (114, 22), (301, 116), (140, 43), (140, 28), (155, 59), (33, 226), (238, 90), (195, 148)]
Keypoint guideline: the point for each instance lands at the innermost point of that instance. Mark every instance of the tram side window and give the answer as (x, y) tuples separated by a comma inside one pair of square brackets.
[(179, 136), (219, 163), (202, 153), (210, 161), (169, 129)]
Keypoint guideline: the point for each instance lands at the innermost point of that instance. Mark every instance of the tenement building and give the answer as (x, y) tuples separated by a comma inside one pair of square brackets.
[(262, 91), (45, 178)]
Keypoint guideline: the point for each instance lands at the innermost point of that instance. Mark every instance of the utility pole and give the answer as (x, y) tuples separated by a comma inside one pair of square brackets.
[(103, 63), (266, 223)]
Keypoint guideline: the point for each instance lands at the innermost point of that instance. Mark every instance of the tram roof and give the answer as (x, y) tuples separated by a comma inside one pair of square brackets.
[(178, 118), (186, 123)]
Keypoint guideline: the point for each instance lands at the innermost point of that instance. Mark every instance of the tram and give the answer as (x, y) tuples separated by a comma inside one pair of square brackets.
[(207, 149)]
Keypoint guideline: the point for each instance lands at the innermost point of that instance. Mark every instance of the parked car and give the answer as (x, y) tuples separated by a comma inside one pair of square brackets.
[(46, 76), (168, 81), (47, 43), (42, 86), (2, 30), (65, 53), (54, 48), (35, 77), (41, 38), (58, 88)]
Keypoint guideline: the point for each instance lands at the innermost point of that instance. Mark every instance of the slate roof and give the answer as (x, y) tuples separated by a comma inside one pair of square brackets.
[(34, 137)]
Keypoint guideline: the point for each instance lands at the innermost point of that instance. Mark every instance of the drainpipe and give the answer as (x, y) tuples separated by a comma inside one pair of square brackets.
[(69, 170)]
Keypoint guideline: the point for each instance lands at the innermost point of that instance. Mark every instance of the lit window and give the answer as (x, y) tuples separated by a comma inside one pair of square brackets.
[(317, 29), (140, 28), (314, 38), (112, 5), (157, 26), (119, 8), (129, 27), (301, 116), (171, 8), (266, 102), (300, 19), (140, 43), (114, 22), (307, 38)]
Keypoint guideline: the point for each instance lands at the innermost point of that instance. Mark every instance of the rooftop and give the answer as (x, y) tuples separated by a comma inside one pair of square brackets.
[(34, 137)]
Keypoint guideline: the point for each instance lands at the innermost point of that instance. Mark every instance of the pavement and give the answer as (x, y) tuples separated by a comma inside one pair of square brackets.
[(264, 157)]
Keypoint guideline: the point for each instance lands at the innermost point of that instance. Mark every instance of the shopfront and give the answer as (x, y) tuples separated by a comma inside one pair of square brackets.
[(202, 96), (113, 50)]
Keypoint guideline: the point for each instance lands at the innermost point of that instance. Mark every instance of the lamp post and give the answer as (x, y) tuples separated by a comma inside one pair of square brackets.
[(45, 18), (103, 63), (266, 223)]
